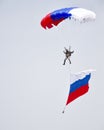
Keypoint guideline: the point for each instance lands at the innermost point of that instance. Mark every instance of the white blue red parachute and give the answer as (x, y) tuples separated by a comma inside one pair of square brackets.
[(76, 13)]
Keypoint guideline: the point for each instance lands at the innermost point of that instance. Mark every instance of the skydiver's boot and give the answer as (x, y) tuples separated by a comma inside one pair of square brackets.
[(64, 62)]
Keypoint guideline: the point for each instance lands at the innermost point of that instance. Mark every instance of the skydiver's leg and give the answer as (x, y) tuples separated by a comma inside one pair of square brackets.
[(69, 60), (64, 61)]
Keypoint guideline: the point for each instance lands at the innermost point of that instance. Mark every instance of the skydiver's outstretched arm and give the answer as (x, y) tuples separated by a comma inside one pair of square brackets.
[(72, 52), (66, 49), (64, 52)]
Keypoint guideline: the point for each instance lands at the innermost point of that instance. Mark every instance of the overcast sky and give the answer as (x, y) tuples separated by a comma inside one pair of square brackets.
[(33, 82)]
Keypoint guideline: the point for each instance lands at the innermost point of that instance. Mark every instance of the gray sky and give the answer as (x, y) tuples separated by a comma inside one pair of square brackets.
[(33, 82)]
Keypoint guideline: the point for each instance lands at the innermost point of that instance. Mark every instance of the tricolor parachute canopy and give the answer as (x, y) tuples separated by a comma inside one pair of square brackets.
[(76, 13)]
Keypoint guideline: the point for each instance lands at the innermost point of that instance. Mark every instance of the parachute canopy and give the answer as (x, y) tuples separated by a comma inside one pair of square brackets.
[(76, 13)]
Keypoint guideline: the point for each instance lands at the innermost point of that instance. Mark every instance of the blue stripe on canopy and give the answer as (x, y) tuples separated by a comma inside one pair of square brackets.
[(61, 13)]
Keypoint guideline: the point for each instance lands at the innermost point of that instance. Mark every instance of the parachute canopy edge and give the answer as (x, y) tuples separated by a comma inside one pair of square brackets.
[(54, 18)]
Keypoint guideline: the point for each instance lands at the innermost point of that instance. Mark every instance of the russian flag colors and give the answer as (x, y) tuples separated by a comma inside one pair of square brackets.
[(79, 85), (54, 18)]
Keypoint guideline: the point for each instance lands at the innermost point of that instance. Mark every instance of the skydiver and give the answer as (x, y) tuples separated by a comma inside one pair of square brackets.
[(67, 55)]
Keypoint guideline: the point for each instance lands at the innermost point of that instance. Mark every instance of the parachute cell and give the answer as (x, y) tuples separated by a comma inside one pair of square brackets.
[(76, 13)]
